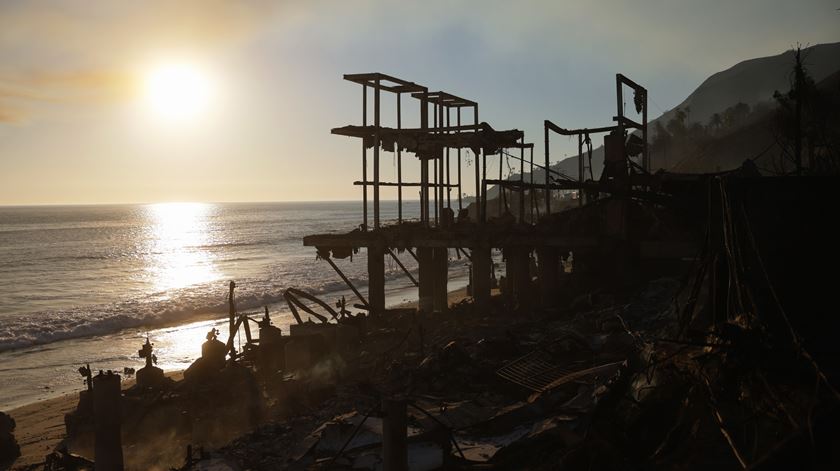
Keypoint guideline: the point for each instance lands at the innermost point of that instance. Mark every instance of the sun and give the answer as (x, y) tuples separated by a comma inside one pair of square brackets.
[(177, 92)]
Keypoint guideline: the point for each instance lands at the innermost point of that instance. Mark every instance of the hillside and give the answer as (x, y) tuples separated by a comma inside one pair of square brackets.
[(751, 82)]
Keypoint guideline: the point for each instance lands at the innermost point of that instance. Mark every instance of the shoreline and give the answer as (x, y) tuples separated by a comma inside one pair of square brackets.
[(40, 424), (178, 345)]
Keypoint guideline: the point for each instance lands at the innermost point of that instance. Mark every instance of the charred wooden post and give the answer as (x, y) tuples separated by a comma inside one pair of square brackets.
[(476, 158), (501, 187), (548, 264), (424, 163), (460, 191), (107, 418), (231, 309), (521, 217), (547, 189), (443, 159), (364, 162), (483, 197), (376, 96), (532, 188), (425, 259), (394, 435), (448, 180), (435, 181), (441, 278), (399, 163), (581, 176)]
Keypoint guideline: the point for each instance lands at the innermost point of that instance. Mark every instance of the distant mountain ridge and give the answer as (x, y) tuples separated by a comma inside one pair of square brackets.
[(751, 81)]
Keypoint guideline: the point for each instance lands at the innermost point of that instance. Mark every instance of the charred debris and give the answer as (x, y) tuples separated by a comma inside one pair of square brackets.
[(693, 328)]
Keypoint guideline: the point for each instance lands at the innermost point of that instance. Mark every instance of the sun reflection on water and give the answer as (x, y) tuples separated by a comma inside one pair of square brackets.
[(177, 245)]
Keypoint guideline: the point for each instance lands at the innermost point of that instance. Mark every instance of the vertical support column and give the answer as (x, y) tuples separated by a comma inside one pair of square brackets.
[(424, 164), (548, 264), (441, 278), (522, 181), (394, 435), (646, 164), (399, 163), (502, 160), (482, 266), (425, 260), (107, 417), (483, 187), (522, 275), (460, 191), (364, 162), (580, 170), (448, 180), (424, 192), (376, 279), (231, 310), (478, 205), (435, 165), (517, 271), (376, 157), (547, 180), (531, 188)]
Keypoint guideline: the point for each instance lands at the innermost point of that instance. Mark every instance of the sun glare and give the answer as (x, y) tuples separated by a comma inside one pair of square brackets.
[(178, 236), (178, 92)]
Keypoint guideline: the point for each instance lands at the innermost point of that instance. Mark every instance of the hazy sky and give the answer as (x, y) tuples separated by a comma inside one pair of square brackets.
[(76, 125)]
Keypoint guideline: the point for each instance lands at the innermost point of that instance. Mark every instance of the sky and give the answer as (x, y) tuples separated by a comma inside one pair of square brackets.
[(82, 121)]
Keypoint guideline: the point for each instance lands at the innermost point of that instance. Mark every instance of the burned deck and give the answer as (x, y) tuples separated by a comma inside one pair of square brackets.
[(471, 236)]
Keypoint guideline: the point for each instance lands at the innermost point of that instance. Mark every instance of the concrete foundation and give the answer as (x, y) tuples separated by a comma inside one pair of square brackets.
[(482, 266), (107, 397), (548, 264), (425, 256), (376, 279), (441, 279)]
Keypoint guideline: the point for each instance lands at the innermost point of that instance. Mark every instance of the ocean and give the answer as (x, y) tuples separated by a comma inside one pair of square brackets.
[(87, 284)]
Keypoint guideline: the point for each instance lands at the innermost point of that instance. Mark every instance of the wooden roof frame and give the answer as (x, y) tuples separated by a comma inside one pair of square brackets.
[(392, 84)]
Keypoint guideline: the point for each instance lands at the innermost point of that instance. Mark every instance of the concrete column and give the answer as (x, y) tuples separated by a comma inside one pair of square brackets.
[(394, 435), (106, 415), (441, 278), (425, 256), (376, 279), (548, 264), (482, 265), (519, 277)]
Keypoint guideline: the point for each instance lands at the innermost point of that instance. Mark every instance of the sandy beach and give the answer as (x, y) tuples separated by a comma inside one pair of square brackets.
[(40, 426)]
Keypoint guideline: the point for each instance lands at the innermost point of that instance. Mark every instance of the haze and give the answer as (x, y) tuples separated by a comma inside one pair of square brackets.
[(257, 85)]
